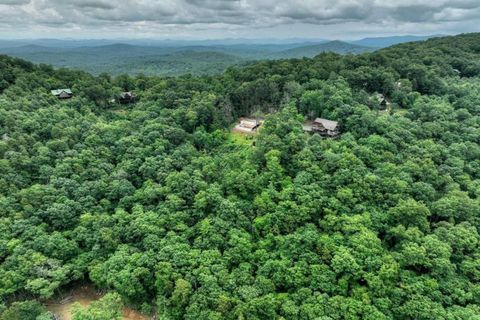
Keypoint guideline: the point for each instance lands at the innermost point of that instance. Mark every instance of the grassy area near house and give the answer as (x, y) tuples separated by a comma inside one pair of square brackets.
[(240, 138)]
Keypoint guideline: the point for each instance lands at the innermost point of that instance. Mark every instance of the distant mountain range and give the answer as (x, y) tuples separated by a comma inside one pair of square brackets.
[(382, 42), (310, 51), (176, 57)]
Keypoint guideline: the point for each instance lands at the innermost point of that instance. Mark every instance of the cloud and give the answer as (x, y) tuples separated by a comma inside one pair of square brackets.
[(105, 5), (221, 15), (216, 4), (14, 2)]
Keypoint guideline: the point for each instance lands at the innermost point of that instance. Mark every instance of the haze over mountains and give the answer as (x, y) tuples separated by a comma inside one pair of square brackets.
[(177, 57)]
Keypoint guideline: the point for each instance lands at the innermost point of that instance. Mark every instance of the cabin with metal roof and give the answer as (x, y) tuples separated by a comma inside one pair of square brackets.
[(126, 98), (324, 127), (62, 93)]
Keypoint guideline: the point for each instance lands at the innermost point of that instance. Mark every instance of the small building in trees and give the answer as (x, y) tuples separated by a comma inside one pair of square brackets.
[(126, 98), (247, 125), (324, 127), (382, 100), (62, 93)]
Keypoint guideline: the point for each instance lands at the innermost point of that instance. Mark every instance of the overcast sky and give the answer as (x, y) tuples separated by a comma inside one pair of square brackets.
[(208, 19)]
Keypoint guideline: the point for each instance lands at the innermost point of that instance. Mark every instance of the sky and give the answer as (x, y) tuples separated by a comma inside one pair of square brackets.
[(218, 19)]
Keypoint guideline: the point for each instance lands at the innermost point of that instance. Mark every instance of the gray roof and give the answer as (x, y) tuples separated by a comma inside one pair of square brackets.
[(327, 124), (380, 97), (59, 91), (128, 94)]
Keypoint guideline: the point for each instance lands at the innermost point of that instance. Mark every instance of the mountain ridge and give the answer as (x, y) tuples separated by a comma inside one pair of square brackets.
[(155, 57)]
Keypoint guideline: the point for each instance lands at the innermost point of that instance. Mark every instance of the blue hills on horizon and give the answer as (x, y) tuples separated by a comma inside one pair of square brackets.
[(73, 43), (176, 57)]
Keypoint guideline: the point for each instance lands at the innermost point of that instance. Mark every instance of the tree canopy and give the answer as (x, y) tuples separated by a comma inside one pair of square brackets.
[(157, 203)]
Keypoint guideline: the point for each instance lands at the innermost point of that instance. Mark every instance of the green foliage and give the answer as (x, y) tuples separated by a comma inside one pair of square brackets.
[(25, 310), (157, 202), (107, 308)]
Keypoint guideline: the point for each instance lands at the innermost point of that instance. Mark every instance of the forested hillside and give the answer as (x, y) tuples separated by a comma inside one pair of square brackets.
[(310, 51), (117, 59), (170, 60), (156, 203)]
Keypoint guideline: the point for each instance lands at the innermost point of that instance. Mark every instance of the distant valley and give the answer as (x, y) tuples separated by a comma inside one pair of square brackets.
[(173, 58)]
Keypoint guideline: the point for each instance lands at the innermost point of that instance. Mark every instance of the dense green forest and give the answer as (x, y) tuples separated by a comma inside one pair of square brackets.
[(156, 203), (172, 60)]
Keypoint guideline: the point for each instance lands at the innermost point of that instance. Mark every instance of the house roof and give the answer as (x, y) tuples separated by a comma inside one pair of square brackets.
[(124, 95), (249, 123), (59, 91), (327, 124), (380, 97)]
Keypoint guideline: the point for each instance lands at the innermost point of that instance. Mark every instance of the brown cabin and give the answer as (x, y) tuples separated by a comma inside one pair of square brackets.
[(126, 98), (326, 128)]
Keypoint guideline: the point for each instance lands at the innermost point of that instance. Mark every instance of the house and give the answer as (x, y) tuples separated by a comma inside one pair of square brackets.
[(126, 97), (62, 93), (323, 127), (248, 125), (382, 101)]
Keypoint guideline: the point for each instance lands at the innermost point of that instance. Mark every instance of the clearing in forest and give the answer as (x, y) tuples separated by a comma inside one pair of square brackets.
[(84, 295)]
